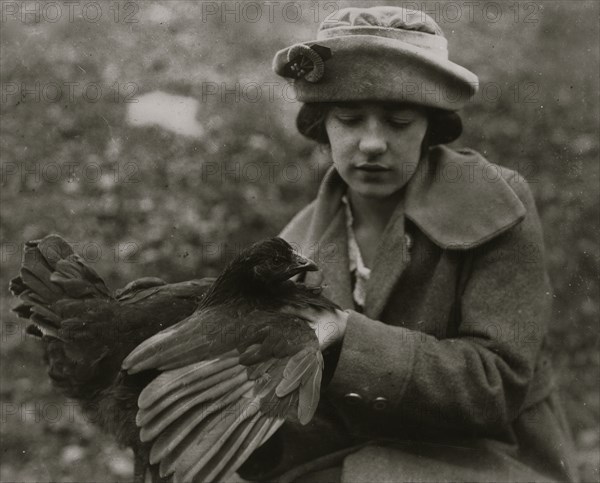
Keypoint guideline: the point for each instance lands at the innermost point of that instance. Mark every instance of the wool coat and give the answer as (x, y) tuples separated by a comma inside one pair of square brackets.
[(444, 375)]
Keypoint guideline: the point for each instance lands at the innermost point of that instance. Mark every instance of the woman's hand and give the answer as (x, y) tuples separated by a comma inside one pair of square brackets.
[(330, 327)]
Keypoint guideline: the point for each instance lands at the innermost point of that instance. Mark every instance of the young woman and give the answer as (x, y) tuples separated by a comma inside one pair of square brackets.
[(436, 364)]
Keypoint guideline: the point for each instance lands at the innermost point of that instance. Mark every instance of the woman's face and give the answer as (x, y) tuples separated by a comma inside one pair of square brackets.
[(375, 147)]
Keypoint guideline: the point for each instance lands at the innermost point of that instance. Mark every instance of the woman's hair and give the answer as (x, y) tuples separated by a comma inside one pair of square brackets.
[(443, 126)]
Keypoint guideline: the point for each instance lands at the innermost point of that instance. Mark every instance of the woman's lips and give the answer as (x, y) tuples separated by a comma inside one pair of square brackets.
[(372, 168)]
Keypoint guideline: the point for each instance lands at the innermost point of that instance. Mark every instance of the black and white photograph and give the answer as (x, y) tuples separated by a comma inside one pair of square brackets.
[(301, 241)]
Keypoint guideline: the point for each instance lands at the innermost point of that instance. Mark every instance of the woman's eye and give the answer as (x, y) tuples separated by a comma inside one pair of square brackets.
[(399, 122), (348, 119)]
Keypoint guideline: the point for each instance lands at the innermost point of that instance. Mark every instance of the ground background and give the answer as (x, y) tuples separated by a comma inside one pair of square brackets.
[(148, 201)]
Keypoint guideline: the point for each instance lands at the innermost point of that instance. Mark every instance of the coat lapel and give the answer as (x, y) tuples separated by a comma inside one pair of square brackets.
[(391, 260), (326, 242), (332, 258)]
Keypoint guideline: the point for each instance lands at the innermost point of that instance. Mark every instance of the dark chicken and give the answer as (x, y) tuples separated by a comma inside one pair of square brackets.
[(235, 370), (87, 331)]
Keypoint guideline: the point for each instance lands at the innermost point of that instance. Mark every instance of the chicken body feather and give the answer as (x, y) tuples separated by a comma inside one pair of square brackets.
[(87, 330), (234, 371)]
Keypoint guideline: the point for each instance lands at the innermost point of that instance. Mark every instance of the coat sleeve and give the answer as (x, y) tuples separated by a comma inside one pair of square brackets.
[(475, 381)]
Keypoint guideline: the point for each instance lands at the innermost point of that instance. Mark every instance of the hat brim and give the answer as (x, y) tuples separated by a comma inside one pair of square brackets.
[(368, 67)]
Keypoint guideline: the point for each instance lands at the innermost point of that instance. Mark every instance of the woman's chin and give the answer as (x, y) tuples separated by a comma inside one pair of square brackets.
[(375, 191)]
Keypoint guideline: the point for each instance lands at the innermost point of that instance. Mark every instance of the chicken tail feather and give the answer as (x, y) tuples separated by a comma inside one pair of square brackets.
[(51, 272)]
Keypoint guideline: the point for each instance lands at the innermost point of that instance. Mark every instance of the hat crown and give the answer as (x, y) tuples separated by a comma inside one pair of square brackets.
[(383, 16), (412, 27)]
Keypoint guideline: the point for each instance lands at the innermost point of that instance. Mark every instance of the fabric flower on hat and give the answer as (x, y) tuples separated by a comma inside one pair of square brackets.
[(307, 62)]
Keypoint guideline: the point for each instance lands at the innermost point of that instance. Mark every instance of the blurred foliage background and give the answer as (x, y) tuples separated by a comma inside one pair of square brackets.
[(151, 199)]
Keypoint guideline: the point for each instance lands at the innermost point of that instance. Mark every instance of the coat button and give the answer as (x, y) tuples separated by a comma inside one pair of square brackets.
[(380, 403), (352, 398)]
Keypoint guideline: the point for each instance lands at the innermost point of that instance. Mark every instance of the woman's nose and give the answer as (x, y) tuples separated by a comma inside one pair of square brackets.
[(373, 141)]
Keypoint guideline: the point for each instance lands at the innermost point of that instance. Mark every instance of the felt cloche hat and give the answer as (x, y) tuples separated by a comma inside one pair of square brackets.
[(377, 54)]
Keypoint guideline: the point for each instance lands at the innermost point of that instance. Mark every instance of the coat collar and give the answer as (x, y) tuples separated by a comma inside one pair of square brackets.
[(460, 200), (457, 199)]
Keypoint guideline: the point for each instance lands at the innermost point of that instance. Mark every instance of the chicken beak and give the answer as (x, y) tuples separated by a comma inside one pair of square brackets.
[(301, 264)]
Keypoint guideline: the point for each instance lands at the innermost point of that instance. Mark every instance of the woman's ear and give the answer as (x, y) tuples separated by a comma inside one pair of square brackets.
[(325, 149)]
